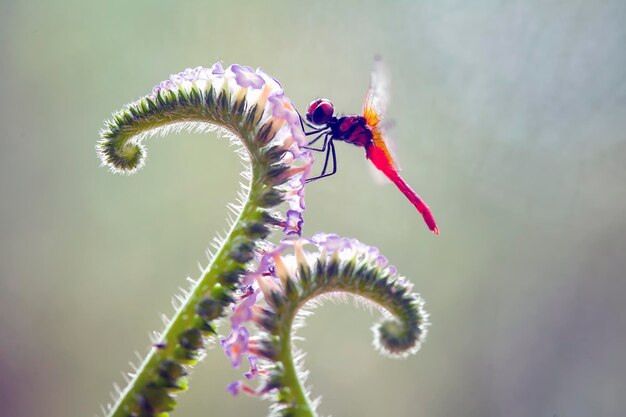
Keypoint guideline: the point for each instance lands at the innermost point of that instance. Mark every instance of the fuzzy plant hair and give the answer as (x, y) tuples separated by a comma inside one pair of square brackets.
[(264, 290)]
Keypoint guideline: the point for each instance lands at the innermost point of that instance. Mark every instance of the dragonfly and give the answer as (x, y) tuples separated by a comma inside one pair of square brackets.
[(365, 131)]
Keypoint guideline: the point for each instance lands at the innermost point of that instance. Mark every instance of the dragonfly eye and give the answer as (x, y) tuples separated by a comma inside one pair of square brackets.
[(320, 112)]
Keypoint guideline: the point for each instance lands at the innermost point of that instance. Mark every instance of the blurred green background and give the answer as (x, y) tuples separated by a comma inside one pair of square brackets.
[(510, 121)]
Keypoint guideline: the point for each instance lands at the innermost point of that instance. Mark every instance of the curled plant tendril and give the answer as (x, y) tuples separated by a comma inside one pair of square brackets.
[(275, 297), (250, 107)]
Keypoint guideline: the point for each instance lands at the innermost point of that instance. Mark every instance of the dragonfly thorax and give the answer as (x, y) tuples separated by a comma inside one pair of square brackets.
[(351, 129)]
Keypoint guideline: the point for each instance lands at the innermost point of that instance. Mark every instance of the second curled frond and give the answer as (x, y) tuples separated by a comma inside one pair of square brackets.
[(279, 292)]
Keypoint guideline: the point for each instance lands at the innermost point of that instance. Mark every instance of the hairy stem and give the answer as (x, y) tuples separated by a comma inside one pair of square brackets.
[(253, 111), (300, 405)]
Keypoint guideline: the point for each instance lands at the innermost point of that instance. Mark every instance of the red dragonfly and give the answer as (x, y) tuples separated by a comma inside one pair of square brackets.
[(365, 131)]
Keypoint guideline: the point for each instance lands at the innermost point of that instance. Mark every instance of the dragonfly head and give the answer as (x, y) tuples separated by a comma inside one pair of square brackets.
[(320, 112)]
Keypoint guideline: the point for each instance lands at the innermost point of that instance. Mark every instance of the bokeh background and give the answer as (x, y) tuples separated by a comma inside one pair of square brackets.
[(510, 120)]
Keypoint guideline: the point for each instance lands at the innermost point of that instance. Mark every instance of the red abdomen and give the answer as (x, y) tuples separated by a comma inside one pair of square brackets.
[(383, 163)]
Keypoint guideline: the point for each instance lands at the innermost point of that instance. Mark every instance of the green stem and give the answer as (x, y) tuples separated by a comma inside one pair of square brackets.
[(301, 406)]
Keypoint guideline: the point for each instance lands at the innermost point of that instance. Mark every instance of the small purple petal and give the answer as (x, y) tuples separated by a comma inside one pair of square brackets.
[(333, 243), (296, 201), (188, 74), (236, 345), (297, 132), (373, 252), (254, 370), (268, 77), (295, 194), (282, 108), (199, 73), (243, 310), (235, 388), (217, 68), (246, 77), (177, 78), (293, 224), (166, 85), (381, 261), (249, 278)]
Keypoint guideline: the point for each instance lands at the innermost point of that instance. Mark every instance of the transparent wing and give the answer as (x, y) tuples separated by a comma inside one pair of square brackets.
[(375, 107), (377, 97), (389, 134)]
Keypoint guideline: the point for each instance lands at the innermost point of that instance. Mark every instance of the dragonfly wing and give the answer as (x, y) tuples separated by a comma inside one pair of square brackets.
[(377, 97), (375, 106)]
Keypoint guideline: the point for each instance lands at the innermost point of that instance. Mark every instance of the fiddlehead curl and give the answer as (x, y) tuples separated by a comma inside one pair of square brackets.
[(250, 107), (282, 288)]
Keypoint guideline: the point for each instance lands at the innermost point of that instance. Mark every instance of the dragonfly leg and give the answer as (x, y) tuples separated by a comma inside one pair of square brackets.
[(315, 139), (331, 151), (312, 132)]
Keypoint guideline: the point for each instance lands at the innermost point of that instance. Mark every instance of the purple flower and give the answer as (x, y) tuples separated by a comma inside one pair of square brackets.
[(217, 68), (331, 242), (199, 73), (283, 109), (163, 86), (254, 370), (235, 388), (177, 78), (268, 283), (239, 386), (373, 252), (381, 261), (295, 196), (242, 312), (246, 77), (189, 75), (277, 87), (293, 224), (298, 135), (236, 345)]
